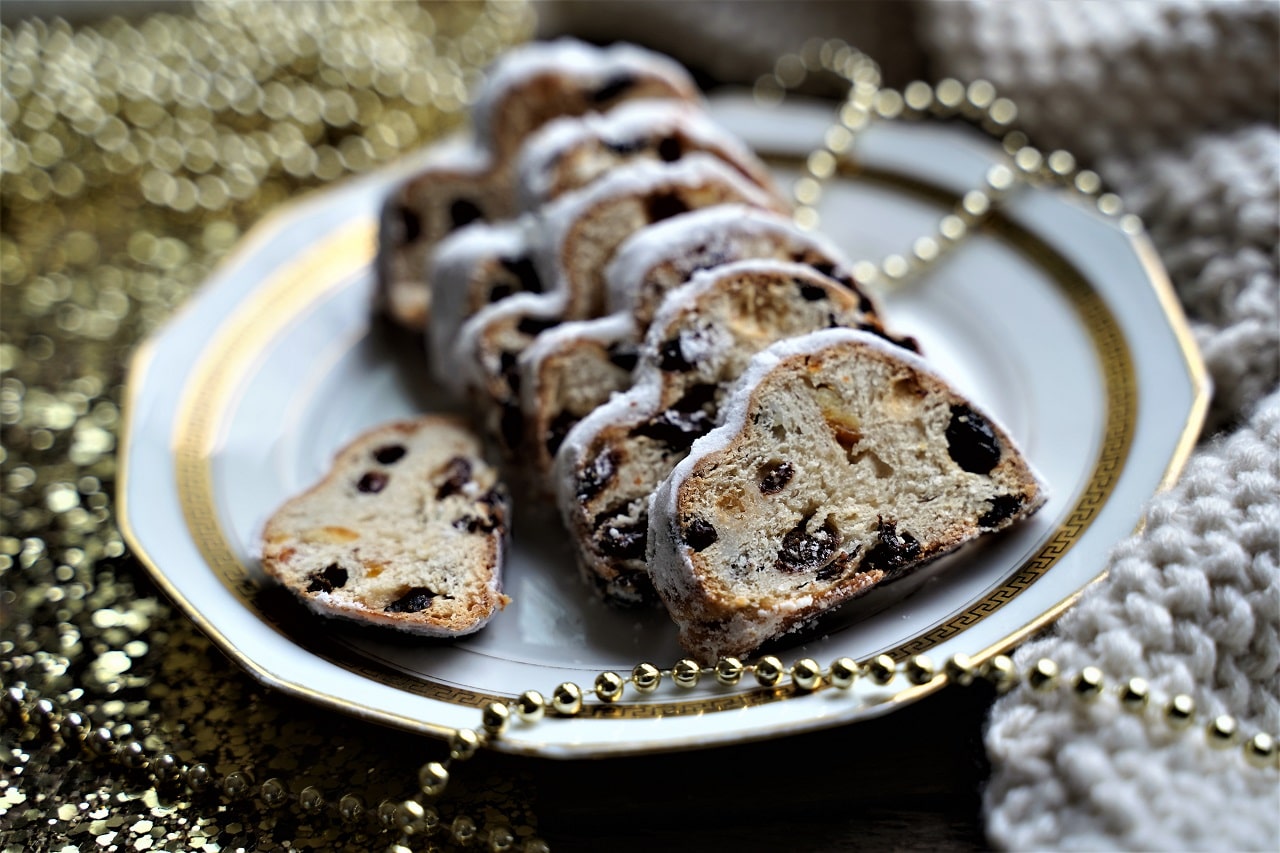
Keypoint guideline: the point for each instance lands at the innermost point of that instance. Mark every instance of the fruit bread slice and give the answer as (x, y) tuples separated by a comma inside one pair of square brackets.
[(485, 368), (457, 184), (576, 237), (703, 337), (566, 374), (476, 266), (581, 231), (408, 530), (559, 252), (542, 80), (842, 462)]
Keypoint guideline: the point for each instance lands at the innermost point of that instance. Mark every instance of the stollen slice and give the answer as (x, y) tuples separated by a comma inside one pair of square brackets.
[(407, 530), (842, 462)]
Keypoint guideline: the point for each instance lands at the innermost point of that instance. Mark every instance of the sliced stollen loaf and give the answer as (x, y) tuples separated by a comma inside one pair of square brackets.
[(457, 184), (473, 268), (843, 462), (576, 237), (571, 152), (485, 364), (407, 530), (702, 338), (479, 265), (539, 81), (647, 264), (473, 178)]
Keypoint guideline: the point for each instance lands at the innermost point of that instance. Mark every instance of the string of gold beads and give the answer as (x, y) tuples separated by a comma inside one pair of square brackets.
[(41, 719), (807, 676), (977, 103), (854, 115)]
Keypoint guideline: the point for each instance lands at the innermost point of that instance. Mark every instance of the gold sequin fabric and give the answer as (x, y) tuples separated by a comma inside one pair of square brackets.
[(135, 154)]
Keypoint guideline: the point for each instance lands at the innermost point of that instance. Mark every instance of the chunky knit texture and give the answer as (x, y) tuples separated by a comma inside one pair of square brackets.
[(1191, 604)]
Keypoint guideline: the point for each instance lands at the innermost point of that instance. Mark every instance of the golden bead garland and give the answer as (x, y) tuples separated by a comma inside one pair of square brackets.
[(416, 817), (853, 116), (808, 676), (977, 103)]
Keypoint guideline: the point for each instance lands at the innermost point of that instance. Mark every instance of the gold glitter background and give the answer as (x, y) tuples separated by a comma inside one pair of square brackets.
[(134, 155)]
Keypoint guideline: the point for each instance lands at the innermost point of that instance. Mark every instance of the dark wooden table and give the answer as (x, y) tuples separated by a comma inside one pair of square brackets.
[(911, 780)]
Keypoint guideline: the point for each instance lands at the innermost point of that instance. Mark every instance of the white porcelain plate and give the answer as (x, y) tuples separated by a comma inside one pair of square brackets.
[(1051, 316)]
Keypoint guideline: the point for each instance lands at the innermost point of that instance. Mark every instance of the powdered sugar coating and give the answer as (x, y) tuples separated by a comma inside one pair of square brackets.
[(733, 409), (626, 131), (468, 365), (415, 213), (590, 65), (567, 215), (578, 234), (642, 397), (765, 361), (705, 238), (705, 334), (567, 373), (456, 152), (611, 329), (455, 186)]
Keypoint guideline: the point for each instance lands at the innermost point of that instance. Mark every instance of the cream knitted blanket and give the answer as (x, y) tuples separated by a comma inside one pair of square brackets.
[(1175, 104)]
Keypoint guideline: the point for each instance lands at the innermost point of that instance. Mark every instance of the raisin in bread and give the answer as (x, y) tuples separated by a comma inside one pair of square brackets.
[(408, 530), (702, 338), (479, 265), (843, 462), (474, 180), (485, 364), (665, 255), (569, 153)]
